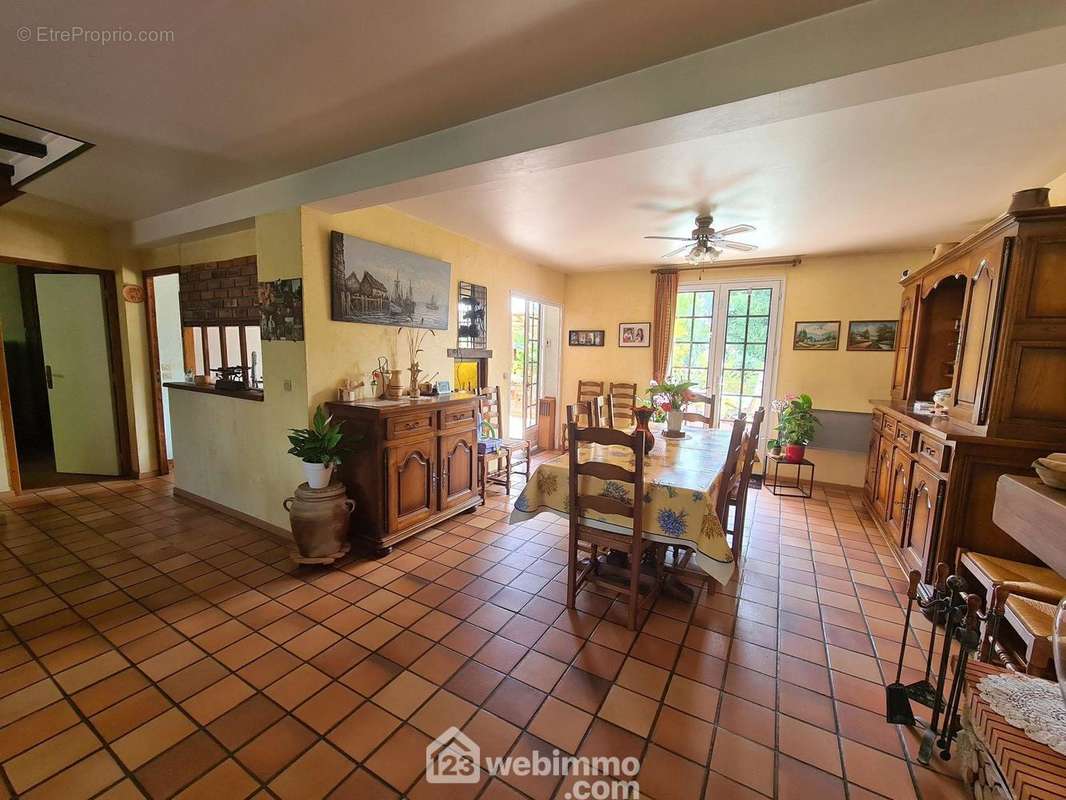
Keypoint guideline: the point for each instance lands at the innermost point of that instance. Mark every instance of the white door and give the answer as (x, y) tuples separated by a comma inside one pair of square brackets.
[(725, 339), (78, 373)]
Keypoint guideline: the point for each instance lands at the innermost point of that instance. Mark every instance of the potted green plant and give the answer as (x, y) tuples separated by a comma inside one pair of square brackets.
[(319, 447), (774, 447), (796, 424), (671, 399)]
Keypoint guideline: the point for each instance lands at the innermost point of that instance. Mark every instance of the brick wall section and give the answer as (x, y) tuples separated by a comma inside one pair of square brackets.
[(219, 293)]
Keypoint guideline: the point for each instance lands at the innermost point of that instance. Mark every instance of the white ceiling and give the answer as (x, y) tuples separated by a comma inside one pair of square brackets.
[(898, 173), (249, 91)]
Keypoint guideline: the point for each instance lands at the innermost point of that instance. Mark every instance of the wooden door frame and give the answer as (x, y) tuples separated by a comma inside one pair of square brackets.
[(109, 292), (154, 367)]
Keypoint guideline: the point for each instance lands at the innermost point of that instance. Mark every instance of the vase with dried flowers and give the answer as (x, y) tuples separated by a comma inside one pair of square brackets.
[(415, 339)]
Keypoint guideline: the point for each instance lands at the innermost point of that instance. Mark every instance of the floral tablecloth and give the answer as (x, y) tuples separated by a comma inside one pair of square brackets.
[(681, 480)]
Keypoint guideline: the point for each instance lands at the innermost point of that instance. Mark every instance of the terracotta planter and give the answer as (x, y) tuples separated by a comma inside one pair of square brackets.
[(319, 519), (643, 417), (795, 452)]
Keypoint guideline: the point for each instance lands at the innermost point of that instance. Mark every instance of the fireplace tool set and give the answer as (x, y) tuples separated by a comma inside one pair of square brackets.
[(960, 613)]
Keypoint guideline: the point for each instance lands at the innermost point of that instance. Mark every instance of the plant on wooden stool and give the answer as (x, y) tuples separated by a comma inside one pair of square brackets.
[(796, 424), (319, 447)]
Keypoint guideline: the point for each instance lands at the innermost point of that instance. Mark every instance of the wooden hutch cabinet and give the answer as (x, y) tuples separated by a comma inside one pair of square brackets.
[(986, 321), (414, 464)]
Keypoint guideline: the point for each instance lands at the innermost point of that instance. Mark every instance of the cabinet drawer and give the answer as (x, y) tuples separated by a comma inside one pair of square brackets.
[(455, 418), (905, 437), (935, 453), (403, 426), (888, 428), (878, 420)]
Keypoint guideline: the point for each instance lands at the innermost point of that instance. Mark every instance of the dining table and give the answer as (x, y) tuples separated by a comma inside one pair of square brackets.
[(682, 478)]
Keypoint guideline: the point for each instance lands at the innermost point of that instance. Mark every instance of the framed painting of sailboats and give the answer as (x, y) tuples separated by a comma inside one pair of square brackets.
[(380, 285)]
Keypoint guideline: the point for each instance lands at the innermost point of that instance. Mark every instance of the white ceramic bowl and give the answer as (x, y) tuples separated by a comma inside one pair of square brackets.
[(1052, 470)]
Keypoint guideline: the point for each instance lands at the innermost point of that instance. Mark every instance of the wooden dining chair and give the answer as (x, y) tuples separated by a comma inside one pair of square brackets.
[(623, 399), (586, 391), (580, 414), (593, 540), (729, 468), (738, 496), (498, 466)]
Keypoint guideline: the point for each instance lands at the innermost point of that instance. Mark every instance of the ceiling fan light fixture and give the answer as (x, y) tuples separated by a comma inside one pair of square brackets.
[(703, 254)]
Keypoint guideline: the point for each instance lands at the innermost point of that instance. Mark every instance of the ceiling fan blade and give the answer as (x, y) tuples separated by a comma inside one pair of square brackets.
[(672, 238), (735, 229), (731, 245), (678, 251)]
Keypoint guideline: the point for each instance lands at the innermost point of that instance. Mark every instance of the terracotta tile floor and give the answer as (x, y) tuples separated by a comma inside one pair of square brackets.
[(151, 647)]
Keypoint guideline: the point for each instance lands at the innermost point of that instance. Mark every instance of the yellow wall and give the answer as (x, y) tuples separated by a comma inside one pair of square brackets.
[(853, 287), (336, 350)]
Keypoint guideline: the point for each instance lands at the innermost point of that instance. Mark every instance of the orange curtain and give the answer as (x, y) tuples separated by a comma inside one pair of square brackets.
[(663, 326)]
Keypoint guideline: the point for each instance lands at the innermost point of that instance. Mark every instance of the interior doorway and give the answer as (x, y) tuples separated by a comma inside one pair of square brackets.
[(65, 421), (535, 362)]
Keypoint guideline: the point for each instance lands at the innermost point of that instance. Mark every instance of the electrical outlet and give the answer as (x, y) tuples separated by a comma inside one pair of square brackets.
[(287, 384)]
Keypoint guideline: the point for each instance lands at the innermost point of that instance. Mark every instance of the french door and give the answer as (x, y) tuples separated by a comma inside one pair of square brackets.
[(725, 341), (525, 367)]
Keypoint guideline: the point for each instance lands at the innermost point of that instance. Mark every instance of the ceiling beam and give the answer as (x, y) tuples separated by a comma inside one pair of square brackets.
[(809, 67), (27, 147)]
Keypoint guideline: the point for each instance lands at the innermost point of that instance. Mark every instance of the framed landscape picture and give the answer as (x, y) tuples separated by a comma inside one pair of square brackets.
[(380, 285), (586, 338), (817, 336), (877, 335), (634, 334)]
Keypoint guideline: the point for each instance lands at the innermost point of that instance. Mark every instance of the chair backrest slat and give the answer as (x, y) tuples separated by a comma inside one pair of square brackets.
[(491, 408), (605, 471), (695, 416), (752, 448), (579, 413), (607, 436), (605, 505), (587, 389), (707, 399)]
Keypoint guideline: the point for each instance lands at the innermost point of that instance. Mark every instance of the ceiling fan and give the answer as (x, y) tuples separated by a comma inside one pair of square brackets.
[(706, 244)]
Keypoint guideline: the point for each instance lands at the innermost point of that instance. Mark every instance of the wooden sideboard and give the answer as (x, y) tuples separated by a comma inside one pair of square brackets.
[(413, 464), (987, 320)]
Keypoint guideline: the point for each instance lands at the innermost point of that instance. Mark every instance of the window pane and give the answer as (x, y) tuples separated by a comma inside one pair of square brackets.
[(198, 349), (760, 302), (233, 346), (699, 356), (738, 302), (749, 405), (757, 329), (730, 407), (752, 383), (684, 304), (731, 380), (681, 354), (701, 329), (734, 356), (682, 329), (214, 349), (735, 329), (704, 304), (698, 377), (755, 356), (255, 347)]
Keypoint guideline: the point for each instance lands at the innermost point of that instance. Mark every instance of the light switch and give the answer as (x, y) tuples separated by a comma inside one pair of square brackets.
[(287, 385)]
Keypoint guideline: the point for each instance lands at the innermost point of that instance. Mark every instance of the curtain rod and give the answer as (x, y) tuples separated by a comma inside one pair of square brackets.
[(785, 261)]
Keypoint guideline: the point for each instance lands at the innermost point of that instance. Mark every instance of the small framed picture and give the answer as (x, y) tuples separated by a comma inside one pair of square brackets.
[(817, 335), (634, 334), (877, 335), (444, 387), (586, 338)]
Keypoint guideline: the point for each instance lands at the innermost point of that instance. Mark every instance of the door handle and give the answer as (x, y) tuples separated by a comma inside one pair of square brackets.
[(48, 375)]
